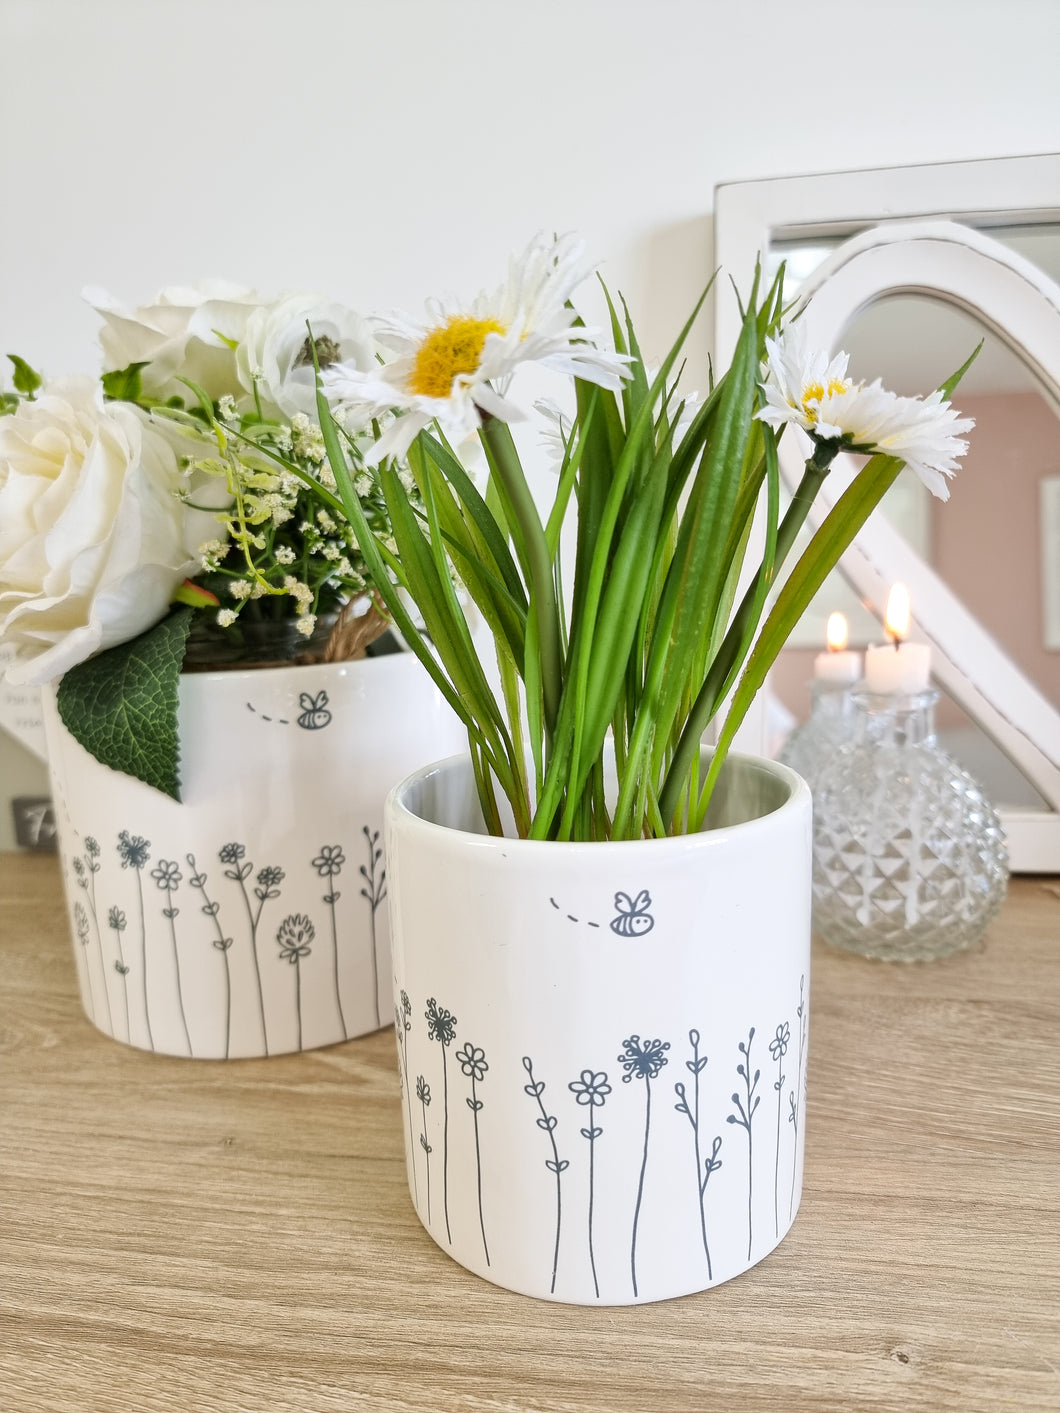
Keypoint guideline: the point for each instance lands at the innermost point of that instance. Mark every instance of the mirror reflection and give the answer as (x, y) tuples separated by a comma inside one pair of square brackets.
[(996, 543)]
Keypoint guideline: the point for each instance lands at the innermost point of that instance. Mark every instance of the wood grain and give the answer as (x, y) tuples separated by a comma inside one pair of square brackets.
[(201, 1237)]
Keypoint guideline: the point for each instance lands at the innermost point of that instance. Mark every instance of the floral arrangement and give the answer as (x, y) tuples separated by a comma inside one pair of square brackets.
[(191, 472), (629, 671)]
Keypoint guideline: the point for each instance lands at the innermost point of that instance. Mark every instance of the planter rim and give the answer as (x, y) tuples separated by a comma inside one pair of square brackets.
[(386, 662), (397, 811)]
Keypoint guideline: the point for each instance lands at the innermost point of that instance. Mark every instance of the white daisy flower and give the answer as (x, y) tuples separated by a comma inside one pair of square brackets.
[(457, 367), (815, 393)]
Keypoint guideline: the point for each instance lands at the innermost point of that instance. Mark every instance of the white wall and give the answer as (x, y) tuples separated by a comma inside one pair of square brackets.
[(382, 150)]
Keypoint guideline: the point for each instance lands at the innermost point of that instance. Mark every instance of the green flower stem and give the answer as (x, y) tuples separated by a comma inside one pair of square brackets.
[(822, 554), (711, 693)]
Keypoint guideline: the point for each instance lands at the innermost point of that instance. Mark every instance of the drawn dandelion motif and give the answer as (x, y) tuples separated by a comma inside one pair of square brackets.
[(167, 876), (472, 1061), (704, 1166), (116, 921), (328, 864), (797, 1095), (555, 1164), (441, 1026), (402, 1026), (642, 1060), (221, 943), (295, 936), (423, 1094), (133, 852), (373, 893), (778, 1048), (745, 1112), (591, 1088)]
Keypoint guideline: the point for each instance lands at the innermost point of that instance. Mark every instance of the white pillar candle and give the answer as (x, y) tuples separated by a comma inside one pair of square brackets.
[(837, 665), (898, 666)]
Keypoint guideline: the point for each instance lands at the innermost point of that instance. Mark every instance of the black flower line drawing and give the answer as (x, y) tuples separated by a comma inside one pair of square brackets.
[(423, 1094), (84, 937), (705, 1167), (86, 878), (642, 1060), (116, 921), (374, 892), (328, 864), (441, 1026), (591, 1088), (536, 1088), (168, 877), (796, 1096), (133, 851), (221, 943), (402, 1026), (239, 868), (744, 1116), (778, 1048), (294, 937), (472, 1062)]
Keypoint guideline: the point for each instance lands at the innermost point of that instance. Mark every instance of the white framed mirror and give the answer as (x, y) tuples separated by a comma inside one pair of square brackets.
[(907, 268)]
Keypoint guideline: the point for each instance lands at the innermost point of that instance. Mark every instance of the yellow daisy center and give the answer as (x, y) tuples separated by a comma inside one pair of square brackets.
[(813, 394), (454, 348)]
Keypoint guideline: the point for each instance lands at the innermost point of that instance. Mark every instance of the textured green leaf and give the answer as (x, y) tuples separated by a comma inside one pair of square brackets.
[(26, 379), (122, 704), (124, 384)]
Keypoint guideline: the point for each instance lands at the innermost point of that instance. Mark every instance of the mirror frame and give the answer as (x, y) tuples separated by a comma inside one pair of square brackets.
[(918, 229)]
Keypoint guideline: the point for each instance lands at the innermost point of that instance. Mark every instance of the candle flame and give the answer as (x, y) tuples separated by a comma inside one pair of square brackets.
[(836, 632), (897, 620)]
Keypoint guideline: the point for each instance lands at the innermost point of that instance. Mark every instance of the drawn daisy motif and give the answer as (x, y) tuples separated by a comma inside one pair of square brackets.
[(329, 861), (166, 874), (472, 1061), (811, 391), (457, 365), (231, 853), (778, 1046)]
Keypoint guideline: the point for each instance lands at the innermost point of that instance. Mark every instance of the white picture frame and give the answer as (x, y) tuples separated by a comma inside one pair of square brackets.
[(921, 229)]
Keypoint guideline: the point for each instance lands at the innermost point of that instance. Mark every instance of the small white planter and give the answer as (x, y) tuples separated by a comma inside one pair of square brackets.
[(248, 919), (603, 1046)]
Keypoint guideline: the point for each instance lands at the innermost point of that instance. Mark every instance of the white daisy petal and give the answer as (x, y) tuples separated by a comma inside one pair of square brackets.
[(456, 366), (809, 391)]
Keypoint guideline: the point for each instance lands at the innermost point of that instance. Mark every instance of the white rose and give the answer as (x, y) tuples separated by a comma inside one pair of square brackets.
[(180, 334), (275, 349), (93, 540)]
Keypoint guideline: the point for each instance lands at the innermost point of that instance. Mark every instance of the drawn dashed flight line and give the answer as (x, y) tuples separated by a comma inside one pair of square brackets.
[(315, 715), (632, 917)]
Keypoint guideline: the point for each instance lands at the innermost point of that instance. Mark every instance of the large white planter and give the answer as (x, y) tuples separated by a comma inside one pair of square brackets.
[(603, 1046), (248, 919)]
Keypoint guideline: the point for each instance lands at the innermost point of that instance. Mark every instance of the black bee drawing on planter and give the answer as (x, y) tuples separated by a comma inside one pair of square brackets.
[(633, 918), (315, 715)]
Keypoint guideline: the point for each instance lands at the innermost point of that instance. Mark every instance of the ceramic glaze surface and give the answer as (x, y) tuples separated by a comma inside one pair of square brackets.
[(603, 1046), (248, 919)]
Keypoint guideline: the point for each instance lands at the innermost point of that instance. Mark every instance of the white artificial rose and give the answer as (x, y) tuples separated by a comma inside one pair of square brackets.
[(275, 349), (182, 333), (93, 539)]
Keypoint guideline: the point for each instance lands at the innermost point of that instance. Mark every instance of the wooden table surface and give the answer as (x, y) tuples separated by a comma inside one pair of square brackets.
[(193, 1236)]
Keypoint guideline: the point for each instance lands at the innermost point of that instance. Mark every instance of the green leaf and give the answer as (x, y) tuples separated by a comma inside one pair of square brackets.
[(124, 384), (26, 379), (122, 704), (9, 402)]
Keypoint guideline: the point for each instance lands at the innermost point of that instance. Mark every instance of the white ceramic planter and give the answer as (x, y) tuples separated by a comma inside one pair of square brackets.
[(248, 919), (603, 1046)]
